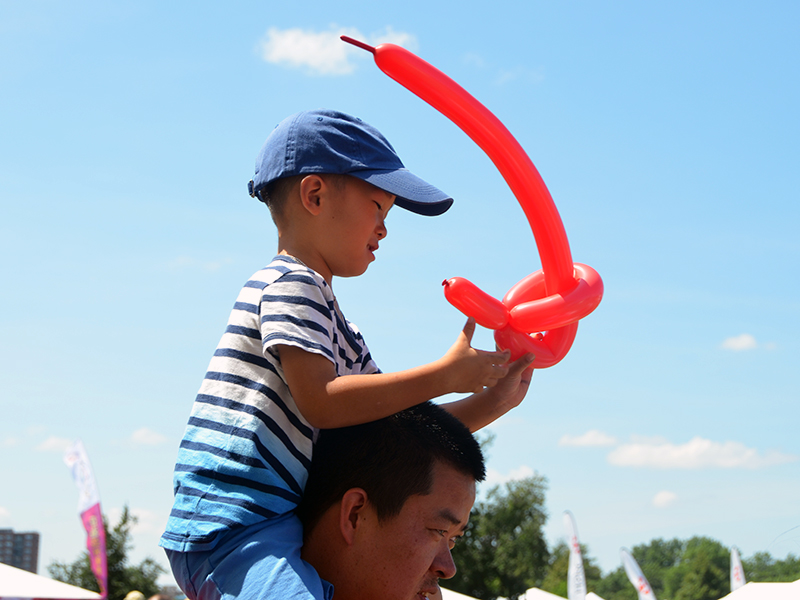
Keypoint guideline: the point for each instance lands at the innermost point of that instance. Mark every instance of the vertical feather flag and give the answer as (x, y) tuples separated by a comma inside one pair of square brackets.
[(89, 510), (737, 572), (636, 576), (576, 578)]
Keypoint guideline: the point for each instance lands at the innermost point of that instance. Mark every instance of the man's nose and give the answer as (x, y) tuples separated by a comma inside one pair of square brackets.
[(443, 564)]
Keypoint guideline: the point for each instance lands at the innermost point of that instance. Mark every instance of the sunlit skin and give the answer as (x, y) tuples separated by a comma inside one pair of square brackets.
[(402, 558), (336, 229)]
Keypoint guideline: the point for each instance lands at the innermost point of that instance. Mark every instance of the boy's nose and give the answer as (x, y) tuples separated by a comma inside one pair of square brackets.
[(381, 231)]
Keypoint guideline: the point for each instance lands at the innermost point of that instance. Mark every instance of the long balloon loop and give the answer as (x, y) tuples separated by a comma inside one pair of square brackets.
[(540, 313)]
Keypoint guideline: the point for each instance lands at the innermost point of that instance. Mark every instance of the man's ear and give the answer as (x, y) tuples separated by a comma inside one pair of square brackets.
[(351, 513), (312, 190)]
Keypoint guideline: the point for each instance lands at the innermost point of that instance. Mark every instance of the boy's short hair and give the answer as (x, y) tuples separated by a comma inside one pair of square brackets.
[(276, 193), (390, 459), (326, 141)]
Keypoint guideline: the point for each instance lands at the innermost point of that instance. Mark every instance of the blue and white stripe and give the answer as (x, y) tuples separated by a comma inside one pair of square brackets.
[(246, 451)]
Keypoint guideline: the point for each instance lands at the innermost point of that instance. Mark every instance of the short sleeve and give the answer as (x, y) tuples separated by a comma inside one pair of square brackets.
[(294, 311)]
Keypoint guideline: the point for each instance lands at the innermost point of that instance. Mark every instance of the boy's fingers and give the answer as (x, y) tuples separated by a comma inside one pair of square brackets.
[(469, 329), (522, 363), (497, 358), (498, 372)]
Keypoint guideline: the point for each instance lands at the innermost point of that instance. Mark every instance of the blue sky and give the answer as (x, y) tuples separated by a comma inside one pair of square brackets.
[(667, 135)]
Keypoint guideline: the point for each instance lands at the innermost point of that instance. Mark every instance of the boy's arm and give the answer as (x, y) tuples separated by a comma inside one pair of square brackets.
[(327, 401), (480, 409)]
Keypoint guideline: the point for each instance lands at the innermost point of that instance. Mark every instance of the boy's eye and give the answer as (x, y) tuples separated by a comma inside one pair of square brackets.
[(378, 205)]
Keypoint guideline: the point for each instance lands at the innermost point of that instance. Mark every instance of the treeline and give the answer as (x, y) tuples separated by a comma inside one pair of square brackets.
[(503, 553), (693, 569)]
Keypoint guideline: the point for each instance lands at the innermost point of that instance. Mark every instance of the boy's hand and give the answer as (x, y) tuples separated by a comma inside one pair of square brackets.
[(482, 408), (471, 370), (511, 389)]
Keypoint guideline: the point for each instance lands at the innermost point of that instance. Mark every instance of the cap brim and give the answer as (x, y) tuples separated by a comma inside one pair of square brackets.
[(412, 193)]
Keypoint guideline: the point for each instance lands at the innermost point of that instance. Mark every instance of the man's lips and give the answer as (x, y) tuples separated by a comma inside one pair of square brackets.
[(428, 589)]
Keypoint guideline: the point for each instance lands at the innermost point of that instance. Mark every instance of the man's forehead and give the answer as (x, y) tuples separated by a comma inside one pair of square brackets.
[(452, 494)]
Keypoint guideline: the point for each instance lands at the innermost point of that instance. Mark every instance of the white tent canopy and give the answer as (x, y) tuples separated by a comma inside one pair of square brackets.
[(531, 594), (451, 595), (766, 591), (16, 583), (537, 594)]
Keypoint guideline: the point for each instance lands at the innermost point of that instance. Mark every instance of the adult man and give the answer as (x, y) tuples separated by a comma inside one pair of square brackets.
[(386, 501)]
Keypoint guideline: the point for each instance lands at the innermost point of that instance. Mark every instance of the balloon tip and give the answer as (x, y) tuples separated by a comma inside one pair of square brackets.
[(356, 43)]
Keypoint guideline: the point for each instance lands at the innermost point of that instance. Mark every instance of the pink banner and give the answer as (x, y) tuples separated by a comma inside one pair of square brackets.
[(89, 510), (96, 545)]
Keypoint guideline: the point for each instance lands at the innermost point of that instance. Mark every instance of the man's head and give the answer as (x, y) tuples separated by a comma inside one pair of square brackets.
[(385, 502), (331, 142)]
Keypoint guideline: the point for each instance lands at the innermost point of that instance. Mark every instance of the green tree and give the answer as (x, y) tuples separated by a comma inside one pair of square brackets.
[(694, 569), (122, 577), (763, 567), (616, 586), (555, 579), (503, 551), (656, 559), (703, 572)]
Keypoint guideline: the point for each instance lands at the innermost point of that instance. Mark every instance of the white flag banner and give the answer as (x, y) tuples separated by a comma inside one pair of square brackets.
[(737, 572), (636, 576), (89, 509), (83, 476), (576, 578)]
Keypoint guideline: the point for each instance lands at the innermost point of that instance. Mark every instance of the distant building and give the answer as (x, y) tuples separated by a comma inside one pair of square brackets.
[(20, 550)]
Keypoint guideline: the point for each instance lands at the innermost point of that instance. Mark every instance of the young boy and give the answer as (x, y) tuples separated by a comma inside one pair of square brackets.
[(289, 363)]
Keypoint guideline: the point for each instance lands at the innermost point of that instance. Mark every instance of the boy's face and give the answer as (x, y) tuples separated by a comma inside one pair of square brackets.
[(356, 226)]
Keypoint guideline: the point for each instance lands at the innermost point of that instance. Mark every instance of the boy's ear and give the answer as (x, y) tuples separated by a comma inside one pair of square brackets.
[(312, 190), (351, 513)]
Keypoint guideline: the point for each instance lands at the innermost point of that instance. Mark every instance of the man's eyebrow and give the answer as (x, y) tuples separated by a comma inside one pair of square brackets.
[(448, 515)]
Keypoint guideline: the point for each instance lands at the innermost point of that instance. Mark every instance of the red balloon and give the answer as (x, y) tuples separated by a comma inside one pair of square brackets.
[(541, 311), (474, 302)]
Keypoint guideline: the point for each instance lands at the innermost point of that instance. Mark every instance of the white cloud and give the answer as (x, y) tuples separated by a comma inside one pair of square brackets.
[(4, 513), (664, 499), (494, 478), (592, 438), (528, 75), (474, 60), (9, 442), (698, 453), (322, 52), (54, 444), (740, 342), (147, 437)]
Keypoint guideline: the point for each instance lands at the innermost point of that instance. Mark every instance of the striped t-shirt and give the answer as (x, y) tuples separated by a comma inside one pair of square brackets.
[(246, 450)]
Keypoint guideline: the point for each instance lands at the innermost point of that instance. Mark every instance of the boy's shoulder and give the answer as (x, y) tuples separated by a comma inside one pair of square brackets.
[(287, 269)]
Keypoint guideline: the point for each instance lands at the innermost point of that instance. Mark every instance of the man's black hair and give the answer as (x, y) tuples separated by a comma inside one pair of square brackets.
[(390, 459)]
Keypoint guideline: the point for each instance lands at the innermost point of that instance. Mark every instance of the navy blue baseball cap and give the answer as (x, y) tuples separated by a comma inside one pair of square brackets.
[(327, 141)]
